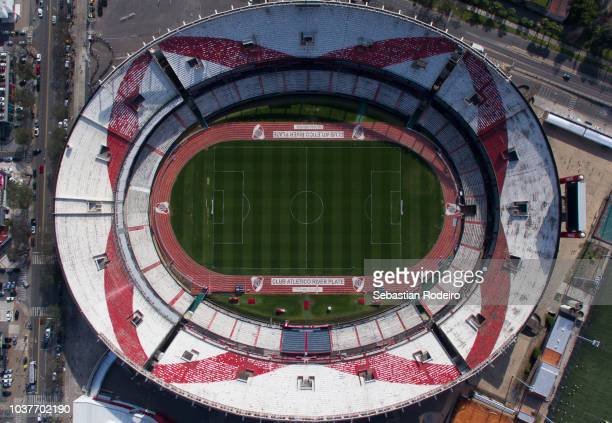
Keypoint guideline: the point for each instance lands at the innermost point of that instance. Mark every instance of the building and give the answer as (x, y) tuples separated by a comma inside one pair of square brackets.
[(9, 11), (548, 368)]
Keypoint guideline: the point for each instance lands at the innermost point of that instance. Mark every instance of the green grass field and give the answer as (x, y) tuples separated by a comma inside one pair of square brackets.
[(344, 307), (305, 208)]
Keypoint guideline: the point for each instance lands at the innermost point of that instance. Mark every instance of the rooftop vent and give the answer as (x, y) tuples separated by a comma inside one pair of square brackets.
[(519, 208), (101, 261), (244, 375), (190, 355), (94, 207), (136, 318), (248, 42), (422, 356), (306, 383), (419, 64), (104, 154), (474, 100), (307, 38), (135, 101), (511, 155), (476, 321), (195, 63), (367, 375)]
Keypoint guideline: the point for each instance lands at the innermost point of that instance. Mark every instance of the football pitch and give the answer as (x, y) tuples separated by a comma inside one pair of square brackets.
[(306, 207)]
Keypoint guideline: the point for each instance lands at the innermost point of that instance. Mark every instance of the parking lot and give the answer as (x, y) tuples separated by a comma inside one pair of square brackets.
[(126, 25)]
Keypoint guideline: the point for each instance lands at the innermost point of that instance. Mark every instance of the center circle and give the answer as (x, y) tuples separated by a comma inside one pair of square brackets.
[(306, 207)]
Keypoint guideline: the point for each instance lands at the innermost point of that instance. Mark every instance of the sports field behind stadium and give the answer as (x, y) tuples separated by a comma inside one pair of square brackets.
[(305, 207)]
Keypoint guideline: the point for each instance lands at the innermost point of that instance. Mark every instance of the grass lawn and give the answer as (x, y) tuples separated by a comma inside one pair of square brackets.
[(305, 208), (344, 307)]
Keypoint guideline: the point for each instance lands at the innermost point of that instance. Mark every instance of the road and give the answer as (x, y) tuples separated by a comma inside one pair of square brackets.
[(588, 81), (42, 42)]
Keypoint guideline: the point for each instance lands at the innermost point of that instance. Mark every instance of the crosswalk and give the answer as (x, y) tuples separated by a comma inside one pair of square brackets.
[(42, 399), (21, 293), (40, 258), (38, 311)]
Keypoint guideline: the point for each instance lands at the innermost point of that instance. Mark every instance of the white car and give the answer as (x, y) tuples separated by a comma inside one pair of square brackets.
[(40, 12), (36, 131), (38, 57), (65, 123), (10, 299), (53, 19), (9, 316)]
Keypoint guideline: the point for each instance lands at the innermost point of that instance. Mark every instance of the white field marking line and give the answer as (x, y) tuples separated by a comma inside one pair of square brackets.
[(372, 172), (306, 192), (401, 205), (393, 204), (365, 210), (306, 255), (295, 268), (241, 210), (222, 207), (295, 147), (244, 197), (212, 227)]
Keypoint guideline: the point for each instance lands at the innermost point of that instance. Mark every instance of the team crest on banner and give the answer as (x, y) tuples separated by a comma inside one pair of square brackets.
[(162, 208), (452, 209), (358, 284), (258, 132), (256, 283), (358, 133)]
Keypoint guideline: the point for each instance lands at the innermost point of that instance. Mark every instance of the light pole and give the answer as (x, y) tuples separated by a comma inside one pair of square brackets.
[(593, 342)]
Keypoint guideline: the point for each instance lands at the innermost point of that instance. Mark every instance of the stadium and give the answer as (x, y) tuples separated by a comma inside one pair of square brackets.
[(220, 191)]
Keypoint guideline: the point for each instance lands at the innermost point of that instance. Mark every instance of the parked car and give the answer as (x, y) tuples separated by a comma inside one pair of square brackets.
[(38, 57), (36, 131), (36, 151), (67, 64), (65, 123), (40, 12), (8, 316), (6, 393), (53, 19), (33, 229)]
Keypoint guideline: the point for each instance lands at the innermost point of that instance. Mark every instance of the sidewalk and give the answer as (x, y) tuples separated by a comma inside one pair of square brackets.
[(78, 32), (535, 34)]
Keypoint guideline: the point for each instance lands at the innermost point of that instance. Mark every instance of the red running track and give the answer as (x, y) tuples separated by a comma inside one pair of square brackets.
[(202, 277)]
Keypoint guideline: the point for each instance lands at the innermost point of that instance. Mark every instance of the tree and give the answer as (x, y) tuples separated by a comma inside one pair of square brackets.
[(445, 7), (512, 16), (24, 97), (55, 312), (583, 13), (55, 149), (19, 195), (22, 136), (24, 71), (20, 233), (60, 112)]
